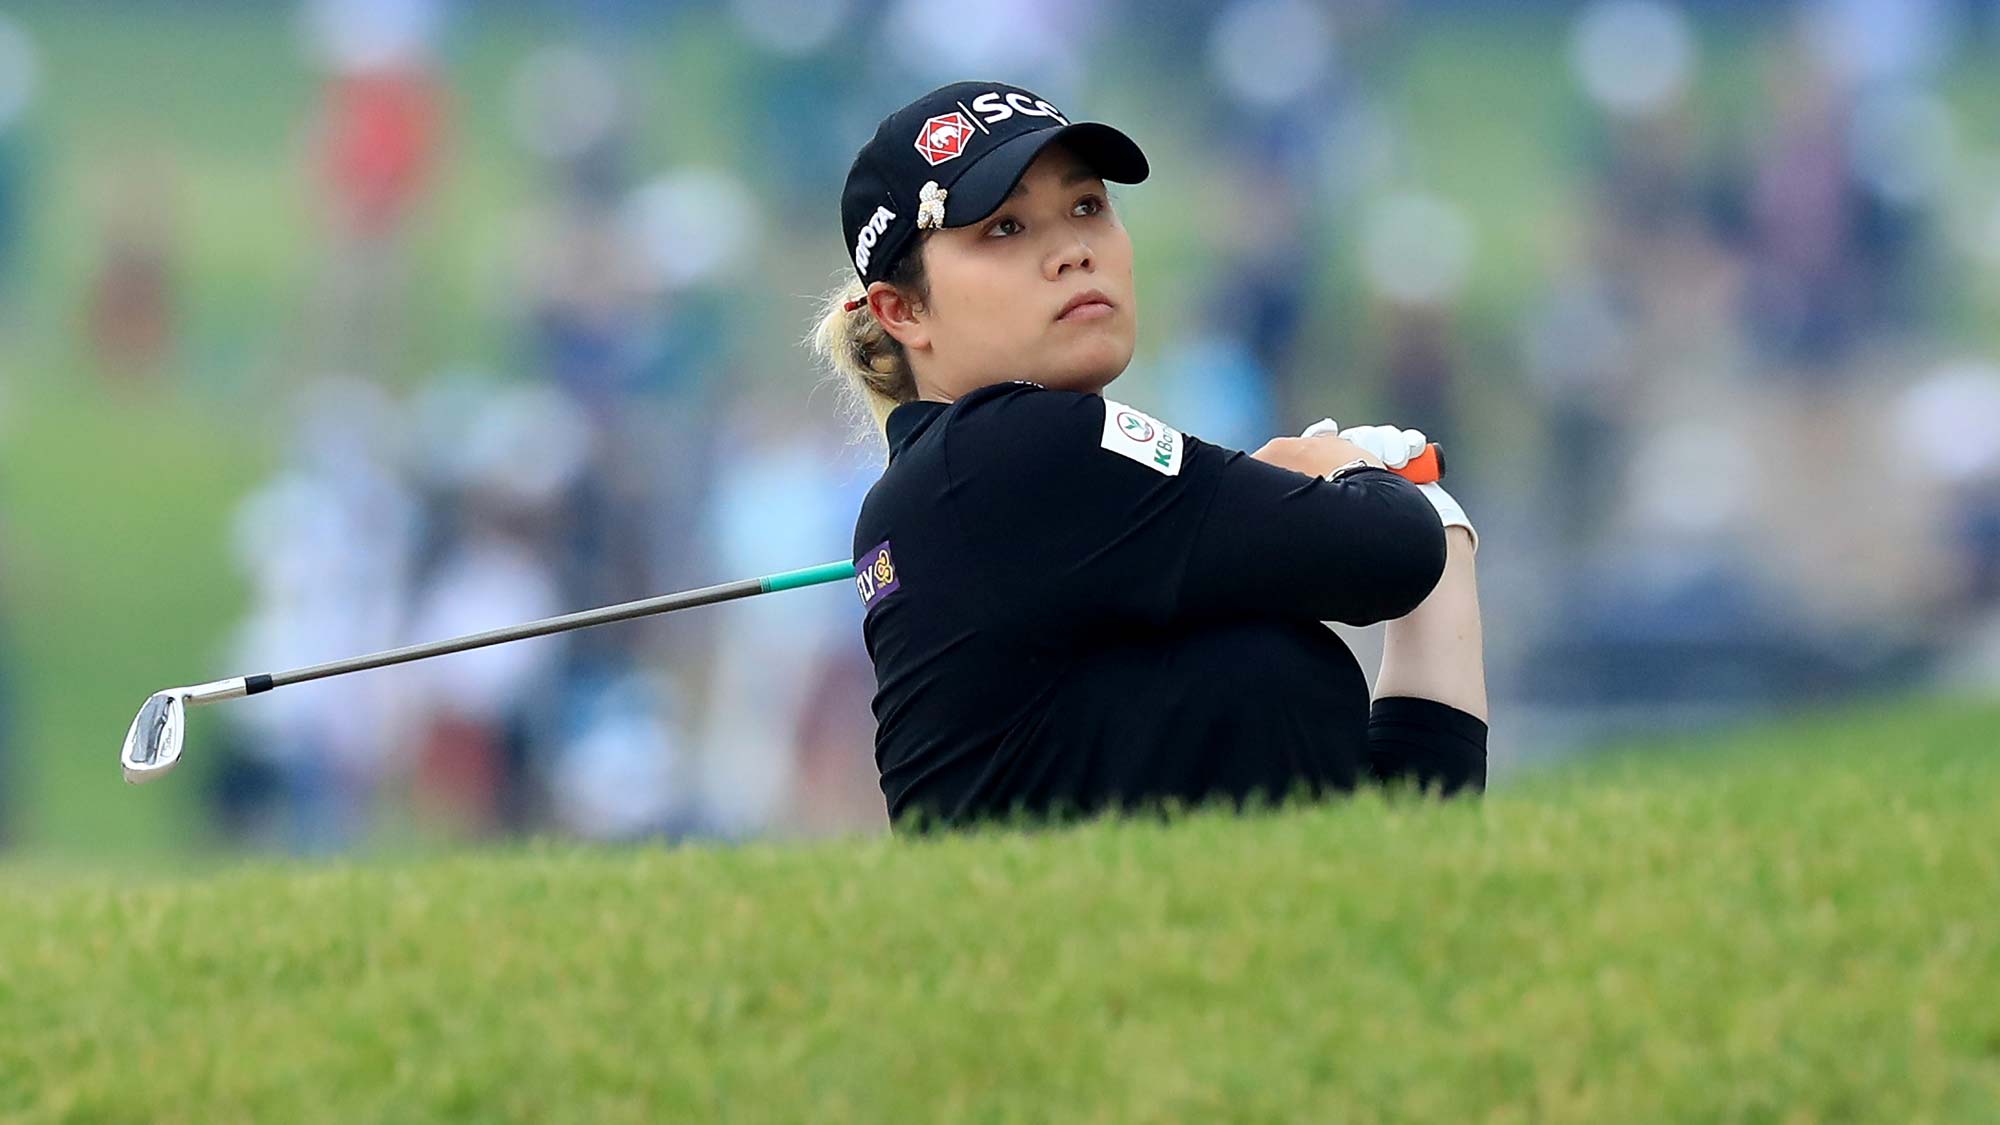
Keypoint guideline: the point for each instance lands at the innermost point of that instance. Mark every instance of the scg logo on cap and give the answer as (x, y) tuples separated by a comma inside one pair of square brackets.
[(992, 108)]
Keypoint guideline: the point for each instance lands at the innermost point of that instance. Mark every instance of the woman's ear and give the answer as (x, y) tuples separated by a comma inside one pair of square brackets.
[(901, 317)]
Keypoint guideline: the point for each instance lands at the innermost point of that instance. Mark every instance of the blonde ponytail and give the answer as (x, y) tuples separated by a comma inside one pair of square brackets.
[(869, 363)]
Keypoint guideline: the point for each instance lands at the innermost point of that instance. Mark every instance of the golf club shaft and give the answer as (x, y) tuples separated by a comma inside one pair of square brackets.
[(707, 595), (1429, 466)]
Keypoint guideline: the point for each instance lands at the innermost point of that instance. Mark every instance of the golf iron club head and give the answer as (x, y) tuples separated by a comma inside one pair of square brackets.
[(153, 744)]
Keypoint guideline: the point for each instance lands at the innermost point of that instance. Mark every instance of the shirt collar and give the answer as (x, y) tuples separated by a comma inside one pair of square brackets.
[(908, 422)]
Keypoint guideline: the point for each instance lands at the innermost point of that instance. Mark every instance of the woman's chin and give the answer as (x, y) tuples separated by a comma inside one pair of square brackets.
[(1091, 369)]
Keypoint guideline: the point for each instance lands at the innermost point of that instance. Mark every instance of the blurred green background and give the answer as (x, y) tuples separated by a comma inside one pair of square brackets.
[(118, 487)]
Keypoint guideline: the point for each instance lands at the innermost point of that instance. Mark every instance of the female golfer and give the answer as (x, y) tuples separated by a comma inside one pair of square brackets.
[(1072, 606)]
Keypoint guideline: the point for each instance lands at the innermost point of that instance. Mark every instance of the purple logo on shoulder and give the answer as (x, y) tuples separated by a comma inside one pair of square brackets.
[(875, 576)]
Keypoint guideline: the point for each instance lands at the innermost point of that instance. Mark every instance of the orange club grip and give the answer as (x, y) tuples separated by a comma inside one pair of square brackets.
[(1425, 467)]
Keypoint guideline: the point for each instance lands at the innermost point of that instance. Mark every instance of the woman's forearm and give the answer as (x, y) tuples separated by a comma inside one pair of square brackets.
[(1436, 651)]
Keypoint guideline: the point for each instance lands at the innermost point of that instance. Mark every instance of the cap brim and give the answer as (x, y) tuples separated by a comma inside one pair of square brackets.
[(980, 188)]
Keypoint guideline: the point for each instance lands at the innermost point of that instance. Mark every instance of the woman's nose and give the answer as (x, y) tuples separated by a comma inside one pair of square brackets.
[(1076, 254)]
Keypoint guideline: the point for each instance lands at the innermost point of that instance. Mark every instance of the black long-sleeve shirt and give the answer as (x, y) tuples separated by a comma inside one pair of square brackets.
[(1072, 607)]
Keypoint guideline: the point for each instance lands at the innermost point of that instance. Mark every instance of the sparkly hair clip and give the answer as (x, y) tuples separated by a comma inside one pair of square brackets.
[(930, 206)]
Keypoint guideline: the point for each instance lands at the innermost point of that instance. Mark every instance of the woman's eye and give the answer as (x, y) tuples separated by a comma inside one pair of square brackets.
[(1092, 202), (1002, 227)]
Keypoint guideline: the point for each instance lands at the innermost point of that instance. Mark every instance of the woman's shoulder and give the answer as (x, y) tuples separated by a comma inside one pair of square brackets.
[(1024, 427), (1022, 414), (1006, 450), (1018, 391)]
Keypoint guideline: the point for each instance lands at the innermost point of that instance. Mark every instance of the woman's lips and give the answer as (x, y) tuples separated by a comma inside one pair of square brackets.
[(1087, 307), (1089, 310)]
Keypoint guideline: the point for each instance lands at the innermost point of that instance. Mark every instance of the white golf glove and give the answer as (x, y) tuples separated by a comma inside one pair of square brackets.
[(1396, 447), (1393, 445)]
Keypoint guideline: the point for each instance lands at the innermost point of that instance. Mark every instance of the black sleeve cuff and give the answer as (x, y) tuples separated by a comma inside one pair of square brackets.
[(1434, 744)]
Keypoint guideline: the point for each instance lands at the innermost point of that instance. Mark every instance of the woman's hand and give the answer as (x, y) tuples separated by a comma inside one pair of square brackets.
[(1393, 444), (1315, 456), (1398, 446)]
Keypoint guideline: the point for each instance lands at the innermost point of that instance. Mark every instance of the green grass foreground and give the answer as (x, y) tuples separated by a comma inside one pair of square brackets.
[(1799, 923)]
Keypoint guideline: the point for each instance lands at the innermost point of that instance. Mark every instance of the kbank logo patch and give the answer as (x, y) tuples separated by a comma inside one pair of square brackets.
[(1143, 438)]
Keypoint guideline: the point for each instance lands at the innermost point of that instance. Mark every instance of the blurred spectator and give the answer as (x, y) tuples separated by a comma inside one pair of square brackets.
[(503, 464), (1633, 58), (1279, 117), (775, 503), (838, 787), (1865, 42), (1040, 44), (133, 295), (569, 109), (480, 710), (1579, 357), (1268, 54), (1214, 380), (805, 44), (377, 138), (1416, 254), (327, 547), (621, 770), (1948, 426), (1805, 304)]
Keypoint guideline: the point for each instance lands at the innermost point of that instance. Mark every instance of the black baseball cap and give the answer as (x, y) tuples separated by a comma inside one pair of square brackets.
[(972, 140)]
